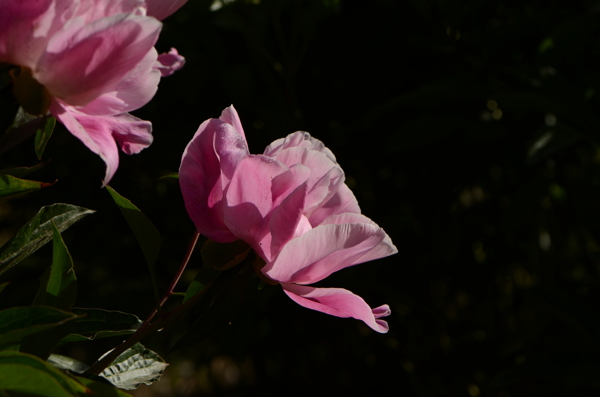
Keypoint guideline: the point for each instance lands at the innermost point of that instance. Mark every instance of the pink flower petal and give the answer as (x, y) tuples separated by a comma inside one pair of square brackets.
[(93, 133), (340, 303), (27, 25), (230, 116), (83, 62), (342, 201), (325, 250), (131, 133), (160, 9), (249, 199), (205, 172), (90, 10), (169, 63), (298, 138), (135, 90), (285, 219)]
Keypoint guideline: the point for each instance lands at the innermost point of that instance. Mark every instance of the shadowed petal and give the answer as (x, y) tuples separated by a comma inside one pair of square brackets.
[(342, 201), (340, 303), (285, 219), (135, 90), (160, 9), (249, 198), (201, 176), (27, 25)]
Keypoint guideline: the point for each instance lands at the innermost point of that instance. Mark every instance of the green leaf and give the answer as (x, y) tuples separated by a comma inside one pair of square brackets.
[(18, 322), (58, 288), (9, 185), (144, 230), (100, 389), (99, 323), (203, 278), (67, 363), (3, 285), (23, 126), (133, 367), (30, 381), (13, 358), (21, 172), (58, 284), (42, 136), (172, 175), (223, 256), (38, 232), (546, 45)]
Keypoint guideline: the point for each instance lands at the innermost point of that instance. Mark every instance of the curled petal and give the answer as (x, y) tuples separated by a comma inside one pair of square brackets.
[(160, 9), (83, 61), (203, 175), (340, 303), (326, 249), (169, 63)]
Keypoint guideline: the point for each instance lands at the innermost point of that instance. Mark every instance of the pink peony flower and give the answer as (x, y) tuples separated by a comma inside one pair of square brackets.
[(88, 62), (290, 205)]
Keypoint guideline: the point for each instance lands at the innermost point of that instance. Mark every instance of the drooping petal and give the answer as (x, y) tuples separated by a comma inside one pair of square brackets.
[(160, 9), (342, 201), (131, 133), (83, 61), (298, 138), (95, 133), (249, 199), (135, 90), (202, 180), (168, 63), (340, 303), (326, 249)]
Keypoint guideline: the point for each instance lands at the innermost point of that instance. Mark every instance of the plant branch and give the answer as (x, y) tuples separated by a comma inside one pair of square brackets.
[(146, 329)]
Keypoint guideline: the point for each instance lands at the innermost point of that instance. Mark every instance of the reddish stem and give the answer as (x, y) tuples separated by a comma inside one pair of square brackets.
[(147, 328)]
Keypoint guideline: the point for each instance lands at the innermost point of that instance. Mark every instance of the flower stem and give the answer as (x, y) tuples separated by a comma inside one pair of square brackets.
[(146, 328)]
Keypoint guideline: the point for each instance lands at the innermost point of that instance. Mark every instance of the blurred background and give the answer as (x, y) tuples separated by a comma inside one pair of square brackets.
[(467, 129)]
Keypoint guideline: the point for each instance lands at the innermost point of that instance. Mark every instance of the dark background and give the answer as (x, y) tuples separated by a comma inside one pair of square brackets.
[(467, 129)]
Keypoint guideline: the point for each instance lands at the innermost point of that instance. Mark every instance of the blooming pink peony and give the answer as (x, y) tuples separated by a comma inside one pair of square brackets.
[(88, 62), (290, 205)]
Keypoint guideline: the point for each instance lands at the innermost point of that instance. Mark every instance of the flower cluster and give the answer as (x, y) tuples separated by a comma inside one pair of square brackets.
[(88, 62), (290, 204)]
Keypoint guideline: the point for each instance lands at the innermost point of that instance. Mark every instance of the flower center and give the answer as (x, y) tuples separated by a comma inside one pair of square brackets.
[(32, 96)]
